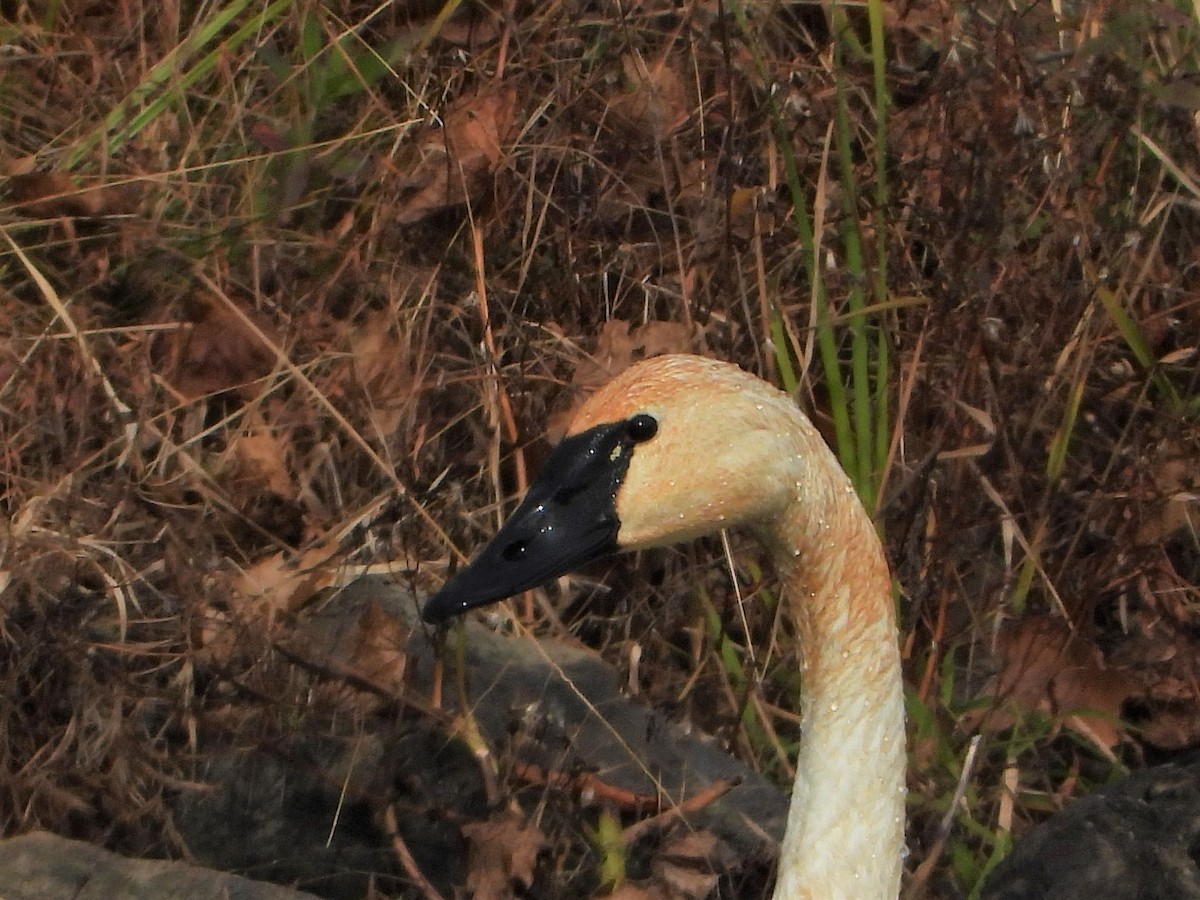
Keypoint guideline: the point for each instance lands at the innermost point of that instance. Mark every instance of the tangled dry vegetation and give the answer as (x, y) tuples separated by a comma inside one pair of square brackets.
[(289, 292)]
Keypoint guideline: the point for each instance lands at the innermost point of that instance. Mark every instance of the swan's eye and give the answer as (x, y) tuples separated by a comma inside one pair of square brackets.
[(641, 428)]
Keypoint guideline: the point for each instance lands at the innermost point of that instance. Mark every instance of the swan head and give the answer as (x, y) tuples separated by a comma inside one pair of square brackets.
[(673, 448)]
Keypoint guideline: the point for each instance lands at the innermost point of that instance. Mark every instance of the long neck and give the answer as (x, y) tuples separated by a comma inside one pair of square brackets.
[(845, 830)]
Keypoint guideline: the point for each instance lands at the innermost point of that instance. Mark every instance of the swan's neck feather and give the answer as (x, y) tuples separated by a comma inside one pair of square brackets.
[(732, 450), (845, 833)]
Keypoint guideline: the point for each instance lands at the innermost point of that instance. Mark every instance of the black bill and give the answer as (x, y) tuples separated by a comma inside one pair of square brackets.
[(568, 518)]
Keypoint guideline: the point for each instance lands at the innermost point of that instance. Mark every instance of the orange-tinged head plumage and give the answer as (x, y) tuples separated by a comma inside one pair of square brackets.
[(720, 457)]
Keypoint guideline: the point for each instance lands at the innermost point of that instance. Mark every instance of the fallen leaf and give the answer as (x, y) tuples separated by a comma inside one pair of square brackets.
[(278, 584), (617, 348), (658, 338), (685, 867), (655, 100), (456, 161), (48, 195), (614, 353), (376, 650), (256, 600), (502, 851), (1045, 667), (691, 863), (1174, 477), (268, 137), (260, 458), (215, 351), (361, 640), (1171, 727), (383, 367), (639, 187), (473, 27)]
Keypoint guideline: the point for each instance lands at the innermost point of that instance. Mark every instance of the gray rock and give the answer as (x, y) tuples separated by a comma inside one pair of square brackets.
[(41, 866)]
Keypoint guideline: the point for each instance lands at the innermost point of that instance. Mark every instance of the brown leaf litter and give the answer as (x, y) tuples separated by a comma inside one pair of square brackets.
[(50, 195), (502, 853), (655, 102), (214, 350), (383, 367), (259, 459), (1048, 668), (617, 348), (1177, 479), (687, 866), (455, 162), (1146, 681)]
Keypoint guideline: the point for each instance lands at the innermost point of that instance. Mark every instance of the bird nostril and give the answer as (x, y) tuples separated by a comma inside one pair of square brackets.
[(516, 550)]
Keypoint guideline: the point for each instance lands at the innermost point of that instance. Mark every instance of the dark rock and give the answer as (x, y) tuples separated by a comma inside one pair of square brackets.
[(41, 866), (1135, 839)]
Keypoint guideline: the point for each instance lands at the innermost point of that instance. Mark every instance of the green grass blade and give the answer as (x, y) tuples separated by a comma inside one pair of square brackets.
[(1134, 338), (860, 352), (159, 89), (826, 339), (882, 199)]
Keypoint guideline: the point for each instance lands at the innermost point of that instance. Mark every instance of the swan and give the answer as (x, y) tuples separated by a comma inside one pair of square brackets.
[(679, 446)]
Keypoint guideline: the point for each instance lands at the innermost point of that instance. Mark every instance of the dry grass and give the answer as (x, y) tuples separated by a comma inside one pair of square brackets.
[(258, 305)]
